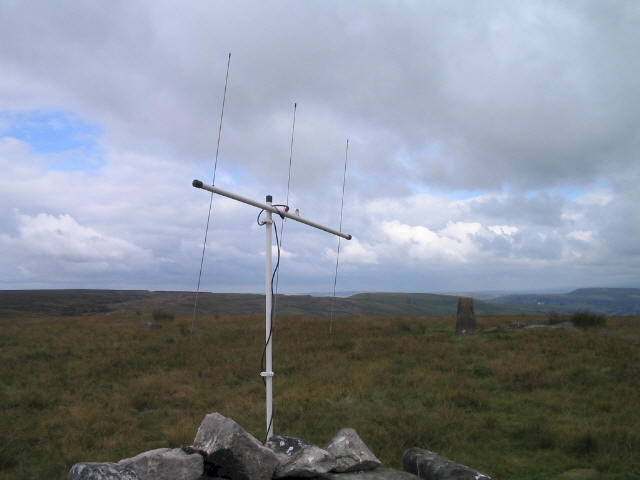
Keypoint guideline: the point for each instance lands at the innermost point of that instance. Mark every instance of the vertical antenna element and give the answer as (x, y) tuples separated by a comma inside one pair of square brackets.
[(215, 168), (335, 278), (293, 130)]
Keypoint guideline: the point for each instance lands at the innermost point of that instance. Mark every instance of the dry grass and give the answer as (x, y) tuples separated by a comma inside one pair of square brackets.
[(519, 404)]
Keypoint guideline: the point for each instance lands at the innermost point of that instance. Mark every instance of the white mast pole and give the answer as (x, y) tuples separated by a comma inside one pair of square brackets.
[(269, 209), (268, 373)]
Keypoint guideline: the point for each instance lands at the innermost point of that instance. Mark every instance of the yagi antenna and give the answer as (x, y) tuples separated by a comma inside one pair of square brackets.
[(268, 223)]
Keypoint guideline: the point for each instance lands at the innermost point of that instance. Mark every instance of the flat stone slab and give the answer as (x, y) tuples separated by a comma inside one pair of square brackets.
[(377, 474), (239, 454), (350, 452), (100, 471), (564, 325), (165, 464), (431, 466)]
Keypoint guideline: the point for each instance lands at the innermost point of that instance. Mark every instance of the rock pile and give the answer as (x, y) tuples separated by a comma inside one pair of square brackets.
[(230, 451), (222, 449)]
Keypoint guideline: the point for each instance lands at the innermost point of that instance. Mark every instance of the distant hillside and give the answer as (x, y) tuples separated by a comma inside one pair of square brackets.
[(83, 302), (609, 301), (65, 302)]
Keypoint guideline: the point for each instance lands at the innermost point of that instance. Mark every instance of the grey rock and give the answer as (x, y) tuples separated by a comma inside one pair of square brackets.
[(286, 446), (465, 318), (100, 471), (299, 458), (378, 474), (431, 466), (165, 464), (518, 325), (537, 325), (239, 455), (350, 452)]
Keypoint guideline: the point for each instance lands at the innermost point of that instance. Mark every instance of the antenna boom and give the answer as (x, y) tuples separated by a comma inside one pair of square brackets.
[(268, 208)]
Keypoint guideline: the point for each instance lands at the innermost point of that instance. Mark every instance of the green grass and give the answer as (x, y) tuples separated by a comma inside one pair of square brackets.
[(517, 404)]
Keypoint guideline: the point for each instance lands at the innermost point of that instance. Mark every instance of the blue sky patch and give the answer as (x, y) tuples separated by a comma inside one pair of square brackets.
[(569, 192), (68, 141)]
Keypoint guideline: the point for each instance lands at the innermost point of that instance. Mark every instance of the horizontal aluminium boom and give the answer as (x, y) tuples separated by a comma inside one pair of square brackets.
[(270, 208)]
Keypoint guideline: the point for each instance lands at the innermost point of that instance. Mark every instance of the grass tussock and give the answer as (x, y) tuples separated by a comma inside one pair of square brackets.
[(586, 319), (159, 315), (519, 404)]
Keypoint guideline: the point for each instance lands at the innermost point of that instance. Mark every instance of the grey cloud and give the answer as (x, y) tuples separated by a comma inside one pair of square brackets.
[(541, 209), (618, 222), (507, 100), (531, 95)]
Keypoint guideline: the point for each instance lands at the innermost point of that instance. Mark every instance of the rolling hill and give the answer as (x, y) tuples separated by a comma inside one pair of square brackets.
[(609, 301), (87, 302)]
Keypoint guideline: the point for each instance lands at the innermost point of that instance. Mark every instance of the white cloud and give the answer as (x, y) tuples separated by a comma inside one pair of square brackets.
[(506, 230), (61, 237), (600, 198), (354, 252), (453, 242), (583, 235), (283, 253)]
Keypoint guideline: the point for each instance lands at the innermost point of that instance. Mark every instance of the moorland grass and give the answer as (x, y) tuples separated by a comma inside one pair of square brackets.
[(518, 404)]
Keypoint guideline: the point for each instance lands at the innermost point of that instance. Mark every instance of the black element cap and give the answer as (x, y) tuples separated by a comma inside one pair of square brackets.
[(269, 199), (349, 237), (197, 183)]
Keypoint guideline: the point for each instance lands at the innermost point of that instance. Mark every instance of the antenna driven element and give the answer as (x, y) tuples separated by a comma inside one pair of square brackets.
[(268, 223)]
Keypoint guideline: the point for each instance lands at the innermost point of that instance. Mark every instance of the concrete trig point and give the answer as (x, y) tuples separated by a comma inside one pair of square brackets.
[(465, 318), (268, 223)]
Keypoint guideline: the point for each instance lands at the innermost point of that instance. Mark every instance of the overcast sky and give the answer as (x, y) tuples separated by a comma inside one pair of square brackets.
[(492, 145)]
